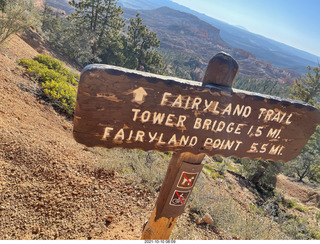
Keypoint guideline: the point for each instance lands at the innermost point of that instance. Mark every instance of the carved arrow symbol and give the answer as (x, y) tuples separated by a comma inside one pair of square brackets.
[(139, 95)]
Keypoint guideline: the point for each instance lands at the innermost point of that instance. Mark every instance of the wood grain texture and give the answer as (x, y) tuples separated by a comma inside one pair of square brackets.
[(117, 107), (182, 173), (228, 69), (166, 212), (233, 124)]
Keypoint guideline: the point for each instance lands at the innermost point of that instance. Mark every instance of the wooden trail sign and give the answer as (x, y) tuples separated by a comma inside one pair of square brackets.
[(118, 107)]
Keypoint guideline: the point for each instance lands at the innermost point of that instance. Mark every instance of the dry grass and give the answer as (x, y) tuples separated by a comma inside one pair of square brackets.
[(230, 219), (145, 168), (233, 219)]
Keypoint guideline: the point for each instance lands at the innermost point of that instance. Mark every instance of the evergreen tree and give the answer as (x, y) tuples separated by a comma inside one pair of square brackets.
[(95, 33), (307, 164), (307, 89), (17, 16), (2, 5), (140, 52), (49, 19), (100, 22)]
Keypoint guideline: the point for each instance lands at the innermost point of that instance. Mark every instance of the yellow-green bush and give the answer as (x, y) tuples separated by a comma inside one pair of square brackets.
[(61, 93), (58, 83), (210, 171), (56, 65)]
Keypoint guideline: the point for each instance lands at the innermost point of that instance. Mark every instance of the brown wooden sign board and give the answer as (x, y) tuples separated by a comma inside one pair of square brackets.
[(118, 107)]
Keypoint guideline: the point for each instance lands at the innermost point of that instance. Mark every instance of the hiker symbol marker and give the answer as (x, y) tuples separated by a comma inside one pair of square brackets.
[(179, 198), (187, 179)]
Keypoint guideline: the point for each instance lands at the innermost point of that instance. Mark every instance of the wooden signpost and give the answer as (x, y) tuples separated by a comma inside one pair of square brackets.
[(117, 107)]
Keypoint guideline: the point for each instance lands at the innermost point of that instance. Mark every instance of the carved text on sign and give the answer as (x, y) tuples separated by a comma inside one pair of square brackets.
[(149, 112)]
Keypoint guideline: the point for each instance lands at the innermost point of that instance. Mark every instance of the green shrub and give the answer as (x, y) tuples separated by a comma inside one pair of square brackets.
[(289, 203), (60, 93), (301, 208), (317, 216), (316, 235), (56, 65), (209, 171), (299, 229), (58, 83), (50, 62)]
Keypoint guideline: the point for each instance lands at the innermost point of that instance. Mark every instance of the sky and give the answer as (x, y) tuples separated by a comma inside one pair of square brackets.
[(293, 22)]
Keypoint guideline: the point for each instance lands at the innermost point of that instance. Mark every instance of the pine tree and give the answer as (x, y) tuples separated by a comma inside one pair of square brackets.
[(2, 5), (16, 16), (141, 44), (307, 89), (100, 21), (307, 164)]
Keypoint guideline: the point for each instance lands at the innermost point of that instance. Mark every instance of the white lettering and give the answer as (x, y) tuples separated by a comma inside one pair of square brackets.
[(107, 132), (164, 98), (158, 118), (181, 120), (193, 141), (130, 135), (119, 136), (196, 103), (288, 122), (184, 140), (273, 133), (197, 123), (237, 130), (221, 126), (173, 140), (262, 111), (230, 127), (169, 120), (206, 124), (227, 109), (160, 139), (136, 111), (177, 102), (145, 116), (207, 106), (152, 137), (187, 102), (140, 135)]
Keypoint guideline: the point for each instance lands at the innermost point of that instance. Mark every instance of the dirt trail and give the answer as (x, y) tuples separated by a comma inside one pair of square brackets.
[(299, 191)]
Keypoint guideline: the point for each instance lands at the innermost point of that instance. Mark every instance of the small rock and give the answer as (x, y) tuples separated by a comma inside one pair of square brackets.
[(208, 219), (109, 219), (36, 230), (2, 208), (91, 236)]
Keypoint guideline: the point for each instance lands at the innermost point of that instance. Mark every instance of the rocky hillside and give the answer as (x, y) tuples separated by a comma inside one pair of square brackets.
[(279, 54), (184, 32), (180, 31), (52, 188)]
